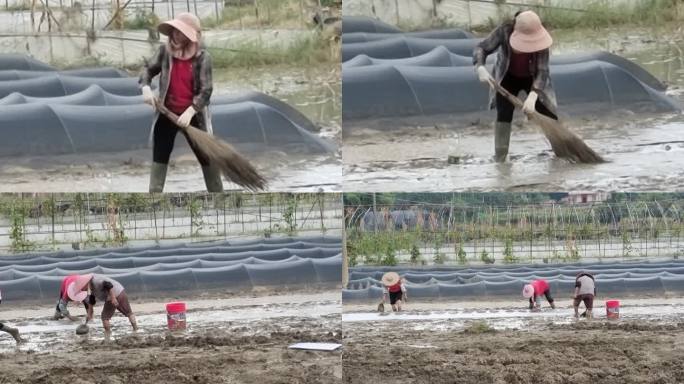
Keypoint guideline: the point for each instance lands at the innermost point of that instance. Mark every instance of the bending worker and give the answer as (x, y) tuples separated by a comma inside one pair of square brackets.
[(535, 290), (585, 291), (395, 288)]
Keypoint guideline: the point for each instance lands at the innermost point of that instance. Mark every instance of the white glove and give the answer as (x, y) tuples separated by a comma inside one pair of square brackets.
[(483, 74), (184, 119), (528, 106), (148, 95)]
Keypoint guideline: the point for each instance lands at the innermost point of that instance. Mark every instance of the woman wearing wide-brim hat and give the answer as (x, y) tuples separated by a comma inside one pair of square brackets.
[(185, 87), (522, 64), (395, 288)]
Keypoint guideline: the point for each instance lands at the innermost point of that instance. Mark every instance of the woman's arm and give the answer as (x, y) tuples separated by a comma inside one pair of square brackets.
[(542, 74), (152, 67), (488, 45), (201, 100)]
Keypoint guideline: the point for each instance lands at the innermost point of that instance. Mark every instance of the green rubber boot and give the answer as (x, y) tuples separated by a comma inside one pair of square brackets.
[(212, 179), (502, 138), (13, 332), (158, 177)]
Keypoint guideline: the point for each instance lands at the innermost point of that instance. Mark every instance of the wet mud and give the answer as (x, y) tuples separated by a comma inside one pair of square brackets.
[(234, 340)]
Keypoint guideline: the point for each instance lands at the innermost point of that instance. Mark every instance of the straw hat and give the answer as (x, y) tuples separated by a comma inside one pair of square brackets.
[(390, 278), (529, 35), (528, 291), (75, 289), (187, 23)]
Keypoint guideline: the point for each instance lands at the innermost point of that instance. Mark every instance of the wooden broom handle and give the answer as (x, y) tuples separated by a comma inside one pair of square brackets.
[(513, 99)]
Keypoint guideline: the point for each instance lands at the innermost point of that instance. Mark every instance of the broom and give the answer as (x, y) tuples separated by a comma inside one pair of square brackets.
[(565, 143), (232, 165)]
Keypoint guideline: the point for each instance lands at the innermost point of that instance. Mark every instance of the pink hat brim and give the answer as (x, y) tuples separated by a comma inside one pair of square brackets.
[(75, 288), (74, 294), (528, 291), (189, 32), (539, 41)]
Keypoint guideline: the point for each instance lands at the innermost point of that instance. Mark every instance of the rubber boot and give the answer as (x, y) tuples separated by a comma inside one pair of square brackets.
[(158, 177), (502, 137), (12, 331), (212, 179)]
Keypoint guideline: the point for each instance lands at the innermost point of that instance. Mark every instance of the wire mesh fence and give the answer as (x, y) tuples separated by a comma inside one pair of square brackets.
[(539, 233), (47, 222), (122, 32)]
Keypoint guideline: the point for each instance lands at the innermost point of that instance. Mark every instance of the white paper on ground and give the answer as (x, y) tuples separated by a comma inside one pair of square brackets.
[(316, 346)]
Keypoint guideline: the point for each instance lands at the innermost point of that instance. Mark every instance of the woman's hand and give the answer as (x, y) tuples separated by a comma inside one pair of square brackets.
[(186, 117), (148, 95), (530, 102), (483, 74)]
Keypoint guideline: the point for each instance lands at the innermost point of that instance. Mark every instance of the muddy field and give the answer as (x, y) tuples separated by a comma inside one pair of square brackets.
[(474, 346), (502, 342), (410, 154), (228, 340), (313, 91)]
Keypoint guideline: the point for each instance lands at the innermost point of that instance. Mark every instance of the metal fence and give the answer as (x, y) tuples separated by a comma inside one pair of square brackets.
[(448, 233), (122, 32), (45, 222)]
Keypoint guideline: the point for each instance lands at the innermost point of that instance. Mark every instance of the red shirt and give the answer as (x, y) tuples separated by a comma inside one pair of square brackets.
[(394, 288), (65, 283), (540, 286), (519, 65), (179, 95)]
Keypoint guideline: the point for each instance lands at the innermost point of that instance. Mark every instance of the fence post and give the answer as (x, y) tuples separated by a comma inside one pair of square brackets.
[(216, 10), (396, 6)]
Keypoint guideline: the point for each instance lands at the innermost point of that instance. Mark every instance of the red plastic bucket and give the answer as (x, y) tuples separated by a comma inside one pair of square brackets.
[(613, 309), (175, 316)]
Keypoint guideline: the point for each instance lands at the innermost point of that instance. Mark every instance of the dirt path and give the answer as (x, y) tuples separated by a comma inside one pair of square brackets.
[(215, 358), (585, 352)]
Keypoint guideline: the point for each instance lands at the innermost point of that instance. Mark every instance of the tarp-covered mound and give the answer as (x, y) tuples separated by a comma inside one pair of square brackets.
[(441, 57), (56, 84), (22, 62), (404, 46), (383, 90), (363, 37), (352, 24), (15, 74), (612, 279), (41, 129), (95, 95), (148, 271)]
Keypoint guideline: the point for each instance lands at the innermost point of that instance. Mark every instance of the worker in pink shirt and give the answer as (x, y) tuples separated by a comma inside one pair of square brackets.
[(534, 291)]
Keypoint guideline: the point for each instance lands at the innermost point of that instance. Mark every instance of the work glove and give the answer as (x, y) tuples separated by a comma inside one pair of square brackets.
[(483, 74), (186, 117), (530, 102), (148, 95)]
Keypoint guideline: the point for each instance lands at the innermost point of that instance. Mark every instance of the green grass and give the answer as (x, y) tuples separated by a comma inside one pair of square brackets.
[(604, 14), (478, 327), (269, 14), (598, 14), (306, 51)]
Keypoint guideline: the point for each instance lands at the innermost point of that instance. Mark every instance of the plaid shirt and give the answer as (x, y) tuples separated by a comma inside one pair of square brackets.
[(161, 63), (539, 65)]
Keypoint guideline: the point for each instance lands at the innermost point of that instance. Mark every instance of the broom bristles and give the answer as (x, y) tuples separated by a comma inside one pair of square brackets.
[(222, 155), (232, 165), (564, 142)]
